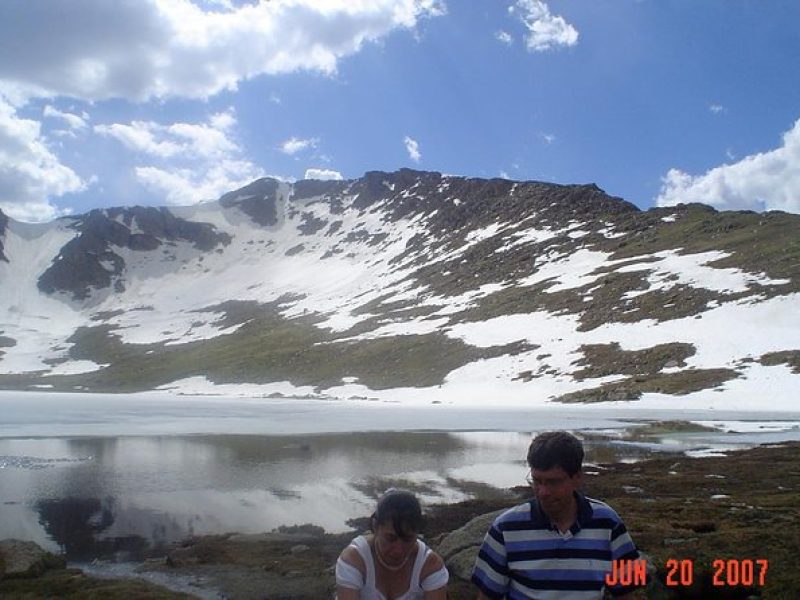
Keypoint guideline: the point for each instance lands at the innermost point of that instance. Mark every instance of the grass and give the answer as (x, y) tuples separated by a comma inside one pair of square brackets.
[(632, 388), (603, 360)]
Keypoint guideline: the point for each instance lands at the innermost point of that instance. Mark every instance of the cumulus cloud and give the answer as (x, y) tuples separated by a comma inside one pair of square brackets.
[(140, 49), (764, 181), (30, 173), (192, 161), (191, 140), (294, 145), (412, 147), (72, 120), (717, 109), (190, 186), (546, 31), (325, 174)]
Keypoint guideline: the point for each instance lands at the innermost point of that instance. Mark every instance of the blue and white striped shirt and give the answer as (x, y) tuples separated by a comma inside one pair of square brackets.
[(524, 556)]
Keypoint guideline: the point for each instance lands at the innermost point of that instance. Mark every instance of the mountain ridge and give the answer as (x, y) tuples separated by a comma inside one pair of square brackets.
[(406, 285)]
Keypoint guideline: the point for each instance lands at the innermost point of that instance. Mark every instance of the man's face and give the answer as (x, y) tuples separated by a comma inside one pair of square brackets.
[(554, 490)]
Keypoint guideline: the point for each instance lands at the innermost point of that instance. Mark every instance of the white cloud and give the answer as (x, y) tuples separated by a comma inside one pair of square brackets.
[(30, 174), (504, 37), (193, 161), (717, 109), (72, 120), (412, 147), (764, 181), (546, 31), (326, 174), (188, 140), (294, 145), (140, 49), (190, 186), (548, 138)]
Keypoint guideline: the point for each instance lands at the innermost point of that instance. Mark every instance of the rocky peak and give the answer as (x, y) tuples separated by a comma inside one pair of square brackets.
[(258, 200)]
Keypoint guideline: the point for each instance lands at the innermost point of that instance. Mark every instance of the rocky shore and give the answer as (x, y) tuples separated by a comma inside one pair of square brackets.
[(706, 524)]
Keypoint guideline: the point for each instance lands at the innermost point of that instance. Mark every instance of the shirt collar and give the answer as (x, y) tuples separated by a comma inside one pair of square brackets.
[(585, 512)]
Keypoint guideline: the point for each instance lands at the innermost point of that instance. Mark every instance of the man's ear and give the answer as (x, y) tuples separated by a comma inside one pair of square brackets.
[(577, 479)]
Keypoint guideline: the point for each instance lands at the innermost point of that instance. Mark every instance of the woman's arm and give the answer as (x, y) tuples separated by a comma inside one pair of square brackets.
[(343, 593), (435, 570), (349, 575)]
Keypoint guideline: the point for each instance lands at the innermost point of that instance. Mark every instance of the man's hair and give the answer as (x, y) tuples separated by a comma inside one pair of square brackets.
[(556, 449), (402, 510)]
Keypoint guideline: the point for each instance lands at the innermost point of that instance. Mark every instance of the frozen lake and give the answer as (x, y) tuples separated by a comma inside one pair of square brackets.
[(106, 474)]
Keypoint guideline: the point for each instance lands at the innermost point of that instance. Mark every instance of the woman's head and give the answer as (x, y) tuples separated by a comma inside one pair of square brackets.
[(400, 510)]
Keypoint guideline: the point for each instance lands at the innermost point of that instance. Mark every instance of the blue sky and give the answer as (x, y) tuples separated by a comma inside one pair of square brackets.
[(167, 102)]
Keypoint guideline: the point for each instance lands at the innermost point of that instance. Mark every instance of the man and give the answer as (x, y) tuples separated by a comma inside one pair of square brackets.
[(561, 544)]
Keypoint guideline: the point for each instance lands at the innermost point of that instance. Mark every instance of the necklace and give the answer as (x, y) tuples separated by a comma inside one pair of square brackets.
[(383, 563)]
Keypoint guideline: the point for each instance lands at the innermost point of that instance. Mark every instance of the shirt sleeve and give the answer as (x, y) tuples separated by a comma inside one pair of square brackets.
[(490, 573), (623, 549), (435, 580), (348, 576)]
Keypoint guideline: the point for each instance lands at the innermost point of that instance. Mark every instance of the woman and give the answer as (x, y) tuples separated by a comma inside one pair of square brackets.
[(391, 563)]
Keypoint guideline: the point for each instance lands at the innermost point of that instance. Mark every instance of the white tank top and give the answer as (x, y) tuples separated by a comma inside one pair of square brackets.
[(369, 591)]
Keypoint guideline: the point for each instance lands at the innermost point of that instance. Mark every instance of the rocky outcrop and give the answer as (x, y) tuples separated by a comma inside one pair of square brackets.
[(90, 261), (3, 226), (460, 548), (258, 200), (26, 559)]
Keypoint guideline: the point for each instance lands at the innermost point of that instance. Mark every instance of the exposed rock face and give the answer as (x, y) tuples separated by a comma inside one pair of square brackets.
[(257, 200), (460, 548), (90, 260), (26, 559), (3, 225)]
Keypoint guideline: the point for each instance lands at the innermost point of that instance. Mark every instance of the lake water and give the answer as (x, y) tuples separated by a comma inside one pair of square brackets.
[(104, 475)]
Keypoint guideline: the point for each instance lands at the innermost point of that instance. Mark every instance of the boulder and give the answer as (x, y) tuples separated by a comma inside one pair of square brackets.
[(26, 559), (459, 548)]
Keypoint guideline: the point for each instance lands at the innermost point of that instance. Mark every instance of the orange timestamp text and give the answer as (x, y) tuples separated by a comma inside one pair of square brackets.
[(680, 572), (726, 572)]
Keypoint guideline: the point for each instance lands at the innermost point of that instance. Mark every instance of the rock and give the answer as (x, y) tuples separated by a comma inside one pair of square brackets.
[(26, 559), (182, 557), (459, 548)]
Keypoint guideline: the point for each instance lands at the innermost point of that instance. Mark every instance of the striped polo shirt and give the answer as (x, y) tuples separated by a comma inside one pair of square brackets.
[(524, 556)]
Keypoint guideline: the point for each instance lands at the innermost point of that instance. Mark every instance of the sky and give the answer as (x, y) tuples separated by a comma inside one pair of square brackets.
[(174, 102)]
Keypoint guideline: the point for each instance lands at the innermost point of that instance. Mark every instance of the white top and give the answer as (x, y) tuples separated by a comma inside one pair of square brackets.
[(350, 577)]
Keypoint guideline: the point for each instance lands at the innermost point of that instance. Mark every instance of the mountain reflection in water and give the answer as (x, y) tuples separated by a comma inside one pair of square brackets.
[(128, 497)]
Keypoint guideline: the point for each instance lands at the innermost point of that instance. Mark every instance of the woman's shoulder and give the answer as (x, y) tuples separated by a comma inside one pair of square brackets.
[(433, 562), (353, 557)]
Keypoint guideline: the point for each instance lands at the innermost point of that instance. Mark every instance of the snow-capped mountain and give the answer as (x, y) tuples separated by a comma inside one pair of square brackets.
[(409, 286)]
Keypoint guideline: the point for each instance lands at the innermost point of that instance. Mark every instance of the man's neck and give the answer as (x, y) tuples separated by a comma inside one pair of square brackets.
[(564, 521)]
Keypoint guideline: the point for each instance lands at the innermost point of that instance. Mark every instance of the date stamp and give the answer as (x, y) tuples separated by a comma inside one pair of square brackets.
[(680, 572), (725, 572)]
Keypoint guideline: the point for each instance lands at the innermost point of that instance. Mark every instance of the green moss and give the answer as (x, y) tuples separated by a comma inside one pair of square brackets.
[(602, 360), (72, 584), (632, 388)]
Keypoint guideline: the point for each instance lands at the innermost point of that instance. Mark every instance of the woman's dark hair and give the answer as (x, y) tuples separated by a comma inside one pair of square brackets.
[(402, 510), (556, 449)]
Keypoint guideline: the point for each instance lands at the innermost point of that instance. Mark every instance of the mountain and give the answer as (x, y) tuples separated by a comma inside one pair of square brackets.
[(409, 286)]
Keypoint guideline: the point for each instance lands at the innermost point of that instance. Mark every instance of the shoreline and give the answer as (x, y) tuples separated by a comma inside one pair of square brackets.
[(676, 508)]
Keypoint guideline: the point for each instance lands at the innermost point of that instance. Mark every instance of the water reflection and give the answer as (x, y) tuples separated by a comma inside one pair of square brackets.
[(129, 496)]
